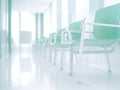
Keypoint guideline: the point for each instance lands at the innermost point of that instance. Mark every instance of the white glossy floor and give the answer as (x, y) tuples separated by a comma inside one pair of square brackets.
[(28, 69)]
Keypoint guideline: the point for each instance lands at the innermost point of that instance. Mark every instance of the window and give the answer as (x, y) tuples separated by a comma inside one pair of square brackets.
[(22, 21), (81, 9), (54, 16), (47, 23), (50, 19), (110, 2), (64, 13)]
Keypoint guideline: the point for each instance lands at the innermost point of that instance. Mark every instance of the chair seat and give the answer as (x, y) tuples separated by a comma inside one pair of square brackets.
[(66, 44), (99, 43), (90, 42)]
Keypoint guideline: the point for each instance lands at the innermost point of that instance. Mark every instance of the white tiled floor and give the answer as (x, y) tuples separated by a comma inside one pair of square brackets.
[(28, 69)]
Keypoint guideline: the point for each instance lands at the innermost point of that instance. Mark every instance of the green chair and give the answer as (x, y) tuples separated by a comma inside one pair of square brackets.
[(41, 45), (56, 47), (51, 43), (51, 39), (106, 30), (54, 40), (43, 41), (69, 39)]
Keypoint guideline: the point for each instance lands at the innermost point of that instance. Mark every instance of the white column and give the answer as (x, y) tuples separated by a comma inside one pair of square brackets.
[(0, 26), (41, 25), (36, 23), (58, 14), (71, 11), (9, 25)]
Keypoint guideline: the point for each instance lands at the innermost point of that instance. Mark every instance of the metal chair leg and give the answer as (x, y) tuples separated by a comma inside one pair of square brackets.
[(76, 58), (108, 61), (62, 57), (50, 55), (55, 56), (71, 61)]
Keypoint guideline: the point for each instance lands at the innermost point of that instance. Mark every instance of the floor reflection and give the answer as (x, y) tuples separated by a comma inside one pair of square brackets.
[(23, 69), (29, 70)]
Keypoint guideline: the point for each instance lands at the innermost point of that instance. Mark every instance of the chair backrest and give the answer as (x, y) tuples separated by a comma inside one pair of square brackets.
[(107, 15), (59, 34), (51, 38), (76, 26), (43, 41)]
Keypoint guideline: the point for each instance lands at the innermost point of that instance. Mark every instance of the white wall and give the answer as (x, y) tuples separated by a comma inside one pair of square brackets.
[(111, 2)]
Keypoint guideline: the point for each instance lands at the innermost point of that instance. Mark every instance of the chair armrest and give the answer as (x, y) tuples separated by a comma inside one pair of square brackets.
[(52, 39), (98, 24), (75, 31), (55, 39), (104, 24), (68, 36)]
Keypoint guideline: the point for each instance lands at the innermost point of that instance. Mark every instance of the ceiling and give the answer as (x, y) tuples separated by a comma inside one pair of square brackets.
[(34, 6)]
